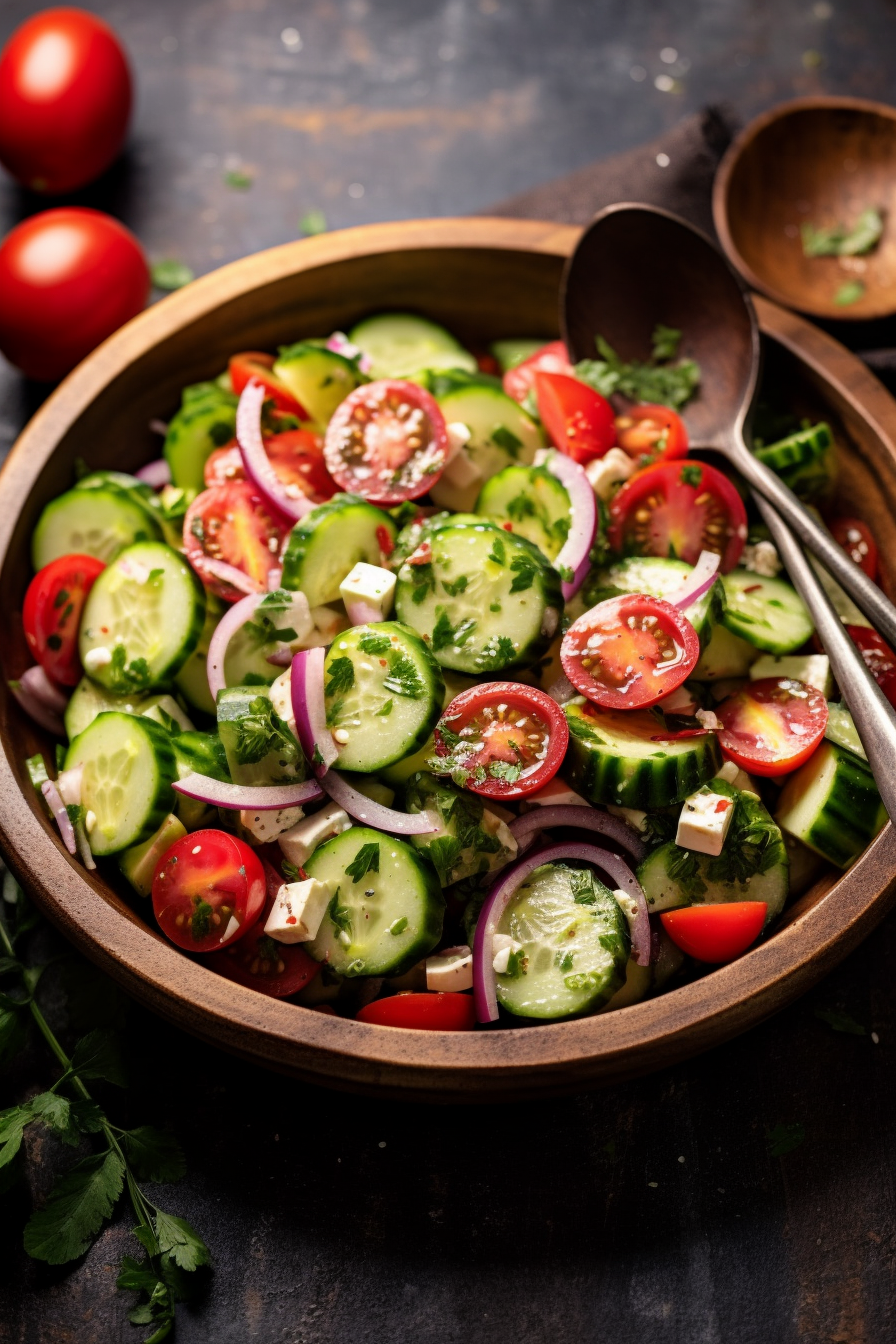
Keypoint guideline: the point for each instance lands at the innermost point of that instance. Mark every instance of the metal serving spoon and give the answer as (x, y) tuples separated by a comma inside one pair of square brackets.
[(683, 281)]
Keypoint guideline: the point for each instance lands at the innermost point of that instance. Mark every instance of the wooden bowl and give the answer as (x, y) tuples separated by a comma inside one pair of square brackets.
[(815, 160), (483, 278)]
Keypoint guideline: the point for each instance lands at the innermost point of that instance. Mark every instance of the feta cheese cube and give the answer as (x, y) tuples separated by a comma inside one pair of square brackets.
[(762, 558), (267, 825), (460, 470), (96, 658), (502, 948), (450, 970), (556, 794), (298, 910), (368, 593), (300, 842), (812, 668), (608, 471), (707, 718), (737, 778), (704, 822), (459, 435), (281, 699)]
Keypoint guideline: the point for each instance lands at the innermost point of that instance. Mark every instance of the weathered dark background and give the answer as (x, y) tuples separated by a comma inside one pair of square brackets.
[(656, 1211)]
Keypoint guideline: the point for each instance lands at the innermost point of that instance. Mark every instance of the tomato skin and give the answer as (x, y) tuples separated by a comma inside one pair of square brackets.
[(224, 465), (679, 508), (771, 726), (858, 542), (387, 441), (520, 381), (641, 430), (246, 962), (878, 657), (202, 881), (68, 279), (65, 100), (715, 933), (422, 1012), (481, 707), (257, 365), (297, 456), (51, 614), (579, 421), (626, 637), (232, 523)]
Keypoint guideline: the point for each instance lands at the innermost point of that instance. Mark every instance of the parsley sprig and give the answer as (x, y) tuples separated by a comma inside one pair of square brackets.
[(663, 378)]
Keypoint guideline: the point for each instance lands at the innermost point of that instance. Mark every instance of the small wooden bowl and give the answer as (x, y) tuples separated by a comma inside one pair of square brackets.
[(483, 278), (820, 161)]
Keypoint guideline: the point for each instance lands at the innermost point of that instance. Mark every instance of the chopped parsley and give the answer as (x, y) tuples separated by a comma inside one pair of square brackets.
[(506, 439), (423, 580), (457, 587), (657, 380), (524, 569), (691, 475), (385, 710), (446, 635), (839, 241), (403, 678), (341, 672), (260, 731), (443, 854), (367, 860), (498, 553), (340, 915), (522, 506), (374, 643), (508, 771), (123, 677), (849, 293)]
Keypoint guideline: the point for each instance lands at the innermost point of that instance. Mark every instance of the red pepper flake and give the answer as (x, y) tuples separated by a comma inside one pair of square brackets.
[(753, 588), (508, 527), (723, 804), (291, 919), (422, 555), (384, 540), (303, 875), (680, 735)]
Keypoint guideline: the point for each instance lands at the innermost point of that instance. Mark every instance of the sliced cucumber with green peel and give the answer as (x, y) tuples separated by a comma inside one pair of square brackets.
[(725, 656), (89, 699), (138, 864), (90, 522), (797, 449), (501, 434), (439, 382), (414, 534), (329, 541), (387, 909), (533, 501), (574, 940), (397, 775), (399, 344), (128, 768), (657, 577), (383, 694), (767, 613), (832, 804), (510, 353), (280, 619), (842, 731), (318, 378), (142, 619), (260, 748), (192, 678), (202, 754), (198, 428), (485, 601), (467, 842), (621, 757), (170, 528)]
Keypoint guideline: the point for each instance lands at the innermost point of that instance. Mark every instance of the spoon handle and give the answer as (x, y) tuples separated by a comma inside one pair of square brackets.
[(872, 713)]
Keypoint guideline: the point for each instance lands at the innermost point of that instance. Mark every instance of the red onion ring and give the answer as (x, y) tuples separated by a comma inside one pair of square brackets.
[(583, 520), (156, 473), (485, 991), (235, 617), (697, 583), (363, 809), (82, 842), (235, 797), (279, 658), (63, 820), (309, 710), (35, 680), (229, 574), (584, 819), (36, 709), (256, 461)]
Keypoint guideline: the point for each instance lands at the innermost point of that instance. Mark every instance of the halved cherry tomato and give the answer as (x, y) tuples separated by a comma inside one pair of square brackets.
[(297, 456), (857, 541), (879, 658), (715, 933), (508, 739), (579, 421), (208, 890), (231, 523), (51, 614), (680, 509), (224, 465), (770, 727), (520, 381), (387, 441), (651, 434), (260, 962), (257, 365), (629, 651), (422, 1012)]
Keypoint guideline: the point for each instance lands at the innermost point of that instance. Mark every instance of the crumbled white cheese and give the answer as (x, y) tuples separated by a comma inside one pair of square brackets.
[(267, 825), (606, 472), (704, 822), (451, 970), (812, 668), (97, 658), (628, 905), (299, 843), (707, 719), (328, 622), (368, 592), (733, 775), (298, 910), (761, 558), (281, 699), (503, 946)]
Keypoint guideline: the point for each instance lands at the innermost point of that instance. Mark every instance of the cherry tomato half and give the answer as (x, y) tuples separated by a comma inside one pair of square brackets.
[(208, 890), (510, 738), (224, 465), (579, 421), (231, 523), (857, 541), (51, 614), (68, 279), (878, 657), (256, 365), (520, 381), (387, 441), (259, 962), (65, 100), (422, 1012), (715, 933), (680, 509), (770, 727), (629, 651), (651, 434)]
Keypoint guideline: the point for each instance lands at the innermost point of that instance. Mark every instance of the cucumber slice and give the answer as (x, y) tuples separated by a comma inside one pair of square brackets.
[(501, 434), (619, 757), (724, 657), (192, 679), (832, 804), (402, 343), (384, 692), (575, 944), (138, 864), (329, 541), (767, 613), (467, 843), (511, 353), (797, 449), (260, 747), (145, 612), (535, 503), (88, 700), (387, 910), (119, 482), (203, 754), (281, 618), (658, 578), (198, 428), (318, 378), (486, 600), (842, 731), (439, 382), (414, 534), (397, 775), (128, 769), (753, 866), (90, 522)]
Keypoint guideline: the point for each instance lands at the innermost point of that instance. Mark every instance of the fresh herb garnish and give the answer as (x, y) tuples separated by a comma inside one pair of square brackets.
[(840, 1021), (522, 506), (340, 915), (341, 673), (849, 293), (508, 771), (457, 587), (581, 880), (367, 860), (497, 652), (840, 241), (403, 678), (691, 475), (238, 180), (385, 710), (784, 1138), (525, 570), (374, 643), (669, 384), (260, 731), (498, 553), (123, 676), (312, 223), (444, 853), (170, 275), (506, 439)]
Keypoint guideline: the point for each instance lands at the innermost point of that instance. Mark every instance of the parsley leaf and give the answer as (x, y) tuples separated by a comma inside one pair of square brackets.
[(522, 506), (579, 728), (123, 676), (423, 580), (98, 1055), (581, 880), (669, 384), (457, 587), (341, 672), (505, 770), (443, 633), (497, 652), (784, 1138), (385, 710), (340, 915), (498, 553), (374, 643), (691, 475), (78, 1205), (403, 678), (840, 1021), (506, 439), (153, 1155), (367, 860), (839, 241), (665, 342), (524, 569), (170, 275), (849, 293), (444, 854), (261, 731), (177, 1238)]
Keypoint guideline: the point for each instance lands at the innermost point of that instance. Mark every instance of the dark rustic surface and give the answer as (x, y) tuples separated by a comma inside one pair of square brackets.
[(656, 1211)]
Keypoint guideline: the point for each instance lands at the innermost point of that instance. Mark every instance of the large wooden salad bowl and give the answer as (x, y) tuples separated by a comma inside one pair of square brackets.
[(482, 278)]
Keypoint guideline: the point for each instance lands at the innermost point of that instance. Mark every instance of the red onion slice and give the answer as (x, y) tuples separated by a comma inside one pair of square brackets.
[(36, 709), (63, 820), (279, 658), (235, 617), (235, 797), (584, 819), (256, 461), (156, 473), (229, 574), (583, 521), (364, 809), (485, 992), (697, 583), (39, 684), (309, 709)]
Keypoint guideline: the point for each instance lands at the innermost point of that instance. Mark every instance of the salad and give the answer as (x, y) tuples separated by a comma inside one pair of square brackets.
[(443, 689)]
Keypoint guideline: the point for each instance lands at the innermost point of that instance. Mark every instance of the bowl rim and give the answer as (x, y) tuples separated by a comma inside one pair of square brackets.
[(483, 1065), (722, 186)]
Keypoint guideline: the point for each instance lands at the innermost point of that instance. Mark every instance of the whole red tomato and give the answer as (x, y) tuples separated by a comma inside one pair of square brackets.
[(68, 279), (65, 100)]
